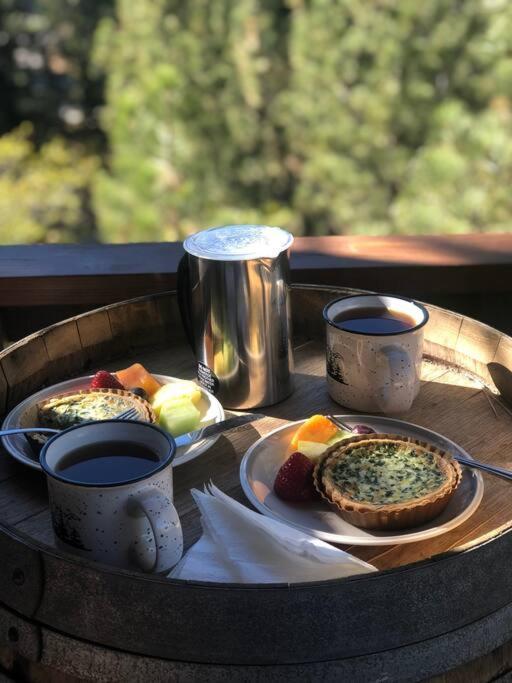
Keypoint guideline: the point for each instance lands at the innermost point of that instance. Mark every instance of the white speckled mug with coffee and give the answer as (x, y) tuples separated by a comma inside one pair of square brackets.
[(126, 519), (374, 371)]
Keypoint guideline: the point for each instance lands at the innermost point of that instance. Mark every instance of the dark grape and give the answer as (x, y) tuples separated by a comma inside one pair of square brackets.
[(139, 391), (363, 429)]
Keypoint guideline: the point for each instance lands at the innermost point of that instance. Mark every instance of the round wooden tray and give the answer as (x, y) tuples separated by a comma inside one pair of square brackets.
[(434, 605)]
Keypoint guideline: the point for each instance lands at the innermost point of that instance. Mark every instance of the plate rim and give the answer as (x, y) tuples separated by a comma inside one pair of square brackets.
[(34, 464), (468, 511)]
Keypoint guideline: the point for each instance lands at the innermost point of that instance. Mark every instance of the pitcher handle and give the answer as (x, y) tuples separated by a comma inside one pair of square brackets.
[(183, 290)]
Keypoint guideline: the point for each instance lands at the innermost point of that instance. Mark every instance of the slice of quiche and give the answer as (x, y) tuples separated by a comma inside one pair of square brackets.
[(66, 410), (386, 481)]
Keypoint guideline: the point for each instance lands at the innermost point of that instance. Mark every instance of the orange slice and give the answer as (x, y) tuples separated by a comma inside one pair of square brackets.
[(137, 376), (318, 428)]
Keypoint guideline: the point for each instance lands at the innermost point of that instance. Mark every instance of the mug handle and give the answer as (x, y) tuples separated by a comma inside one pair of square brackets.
[(167, 533), (396, 369)]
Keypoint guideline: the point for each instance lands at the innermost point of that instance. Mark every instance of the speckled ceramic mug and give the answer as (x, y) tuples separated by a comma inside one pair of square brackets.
[(374, 372), (130, 523)]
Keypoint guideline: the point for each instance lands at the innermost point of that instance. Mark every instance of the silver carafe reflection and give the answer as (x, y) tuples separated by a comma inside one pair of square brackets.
[(233, 291)]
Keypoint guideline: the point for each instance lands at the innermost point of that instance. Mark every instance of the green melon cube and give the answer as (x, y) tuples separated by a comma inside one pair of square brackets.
[(179, 417)]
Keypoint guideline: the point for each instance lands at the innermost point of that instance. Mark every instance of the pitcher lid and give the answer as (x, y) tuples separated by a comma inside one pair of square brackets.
[(238, 242)]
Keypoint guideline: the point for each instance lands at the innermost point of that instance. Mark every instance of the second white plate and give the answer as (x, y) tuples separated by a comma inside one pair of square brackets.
[(260, 464), (17, 445)]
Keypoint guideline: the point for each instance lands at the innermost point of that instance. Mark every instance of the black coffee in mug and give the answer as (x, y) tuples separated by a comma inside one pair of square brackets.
[(107, 463), (111, 491), (373, 320)]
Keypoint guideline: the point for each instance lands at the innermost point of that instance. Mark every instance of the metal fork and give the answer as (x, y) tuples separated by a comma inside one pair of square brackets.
[(474, 464), (129, 414)]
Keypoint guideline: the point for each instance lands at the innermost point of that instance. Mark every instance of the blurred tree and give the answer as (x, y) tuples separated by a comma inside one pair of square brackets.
[(44, 66), (318, 115), (190, 90), (461, 178), (42, 193), (45, 80), (402, 125), (7, 88)]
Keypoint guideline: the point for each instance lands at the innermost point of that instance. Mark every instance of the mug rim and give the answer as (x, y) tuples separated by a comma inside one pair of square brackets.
[(377, 334), (168, 458)]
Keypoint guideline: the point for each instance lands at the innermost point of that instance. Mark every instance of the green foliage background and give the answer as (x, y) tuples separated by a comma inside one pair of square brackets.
[(153, 119)]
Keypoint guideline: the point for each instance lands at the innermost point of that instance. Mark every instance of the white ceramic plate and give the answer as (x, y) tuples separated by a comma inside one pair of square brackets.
[(260, 464), (17, 445)]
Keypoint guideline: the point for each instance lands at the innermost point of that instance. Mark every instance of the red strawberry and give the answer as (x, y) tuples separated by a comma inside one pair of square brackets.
[(294, 481), (104, 380)]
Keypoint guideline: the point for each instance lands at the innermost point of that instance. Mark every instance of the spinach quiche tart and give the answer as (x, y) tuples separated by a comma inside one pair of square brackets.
[(66, 410), (384, 481)]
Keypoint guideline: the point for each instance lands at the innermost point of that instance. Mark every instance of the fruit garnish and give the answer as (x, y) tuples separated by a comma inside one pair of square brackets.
[(362, 429), (294, 481), (137, 376), (312, 449), (317, 428), (179, 417), (176, 391), (105, 380), (341, 434), (138, 391)]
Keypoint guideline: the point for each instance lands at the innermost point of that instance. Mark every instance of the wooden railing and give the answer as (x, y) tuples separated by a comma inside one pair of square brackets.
[(40, 284)]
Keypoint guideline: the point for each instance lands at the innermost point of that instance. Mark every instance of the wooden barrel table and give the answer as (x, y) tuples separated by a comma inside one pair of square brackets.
[(435, 605)]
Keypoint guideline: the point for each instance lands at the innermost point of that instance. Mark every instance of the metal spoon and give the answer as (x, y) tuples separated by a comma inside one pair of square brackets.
[(125, 415), (490, 469), (28, 430)]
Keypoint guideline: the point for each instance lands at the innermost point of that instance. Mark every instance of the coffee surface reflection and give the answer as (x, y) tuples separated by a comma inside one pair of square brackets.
[(102, 464), (374, 320)]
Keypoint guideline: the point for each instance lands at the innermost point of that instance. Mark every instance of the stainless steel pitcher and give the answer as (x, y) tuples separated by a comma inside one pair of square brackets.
[(234, 302)]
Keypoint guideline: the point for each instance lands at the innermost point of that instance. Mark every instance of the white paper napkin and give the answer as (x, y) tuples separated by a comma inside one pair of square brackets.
[(241, 546)]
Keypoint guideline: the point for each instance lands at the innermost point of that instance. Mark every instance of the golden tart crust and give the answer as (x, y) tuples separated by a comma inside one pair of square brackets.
[(395, 515), (70, 408)]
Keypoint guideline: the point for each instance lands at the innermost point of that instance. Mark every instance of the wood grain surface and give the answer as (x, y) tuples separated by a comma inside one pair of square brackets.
[(451, 401), (465, 394), (90, 274)]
